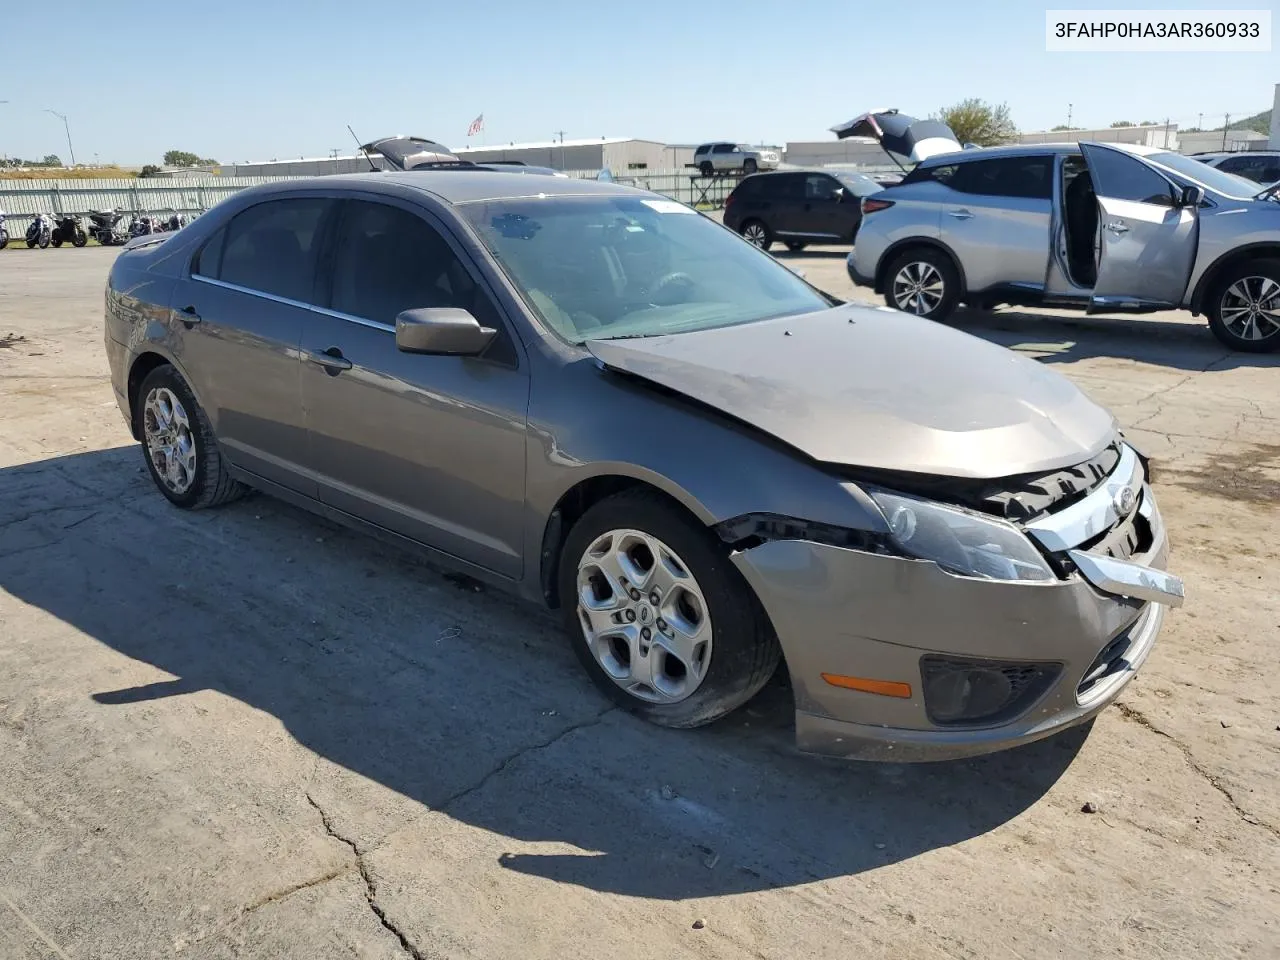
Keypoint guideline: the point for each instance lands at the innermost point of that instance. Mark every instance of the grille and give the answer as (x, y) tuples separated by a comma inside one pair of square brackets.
[(1130, 536), (1109, 661)]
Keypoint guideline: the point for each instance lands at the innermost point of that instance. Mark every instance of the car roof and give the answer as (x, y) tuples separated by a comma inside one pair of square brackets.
[(468, 186), (1033, 150)]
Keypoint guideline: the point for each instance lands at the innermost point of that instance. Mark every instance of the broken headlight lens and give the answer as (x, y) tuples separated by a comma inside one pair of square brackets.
[(959, 541)]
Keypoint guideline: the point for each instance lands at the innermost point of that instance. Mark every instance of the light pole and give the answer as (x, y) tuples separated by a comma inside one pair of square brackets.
[(67, 127)]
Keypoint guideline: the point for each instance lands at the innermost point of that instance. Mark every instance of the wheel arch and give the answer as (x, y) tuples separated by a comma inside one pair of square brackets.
[(148, 359), (588, 491), (1232, 258), (900, 246)]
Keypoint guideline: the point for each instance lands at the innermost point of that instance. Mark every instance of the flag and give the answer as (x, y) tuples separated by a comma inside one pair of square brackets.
[(476, 126)]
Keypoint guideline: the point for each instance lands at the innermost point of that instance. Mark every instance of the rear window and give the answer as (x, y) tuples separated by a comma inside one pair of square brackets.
[(1025, 177), (750, 187)]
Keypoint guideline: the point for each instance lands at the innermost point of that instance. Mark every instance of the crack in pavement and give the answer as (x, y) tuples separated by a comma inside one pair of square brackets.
[(523, 751), (1141, 719), (289, 891), (370, 885)]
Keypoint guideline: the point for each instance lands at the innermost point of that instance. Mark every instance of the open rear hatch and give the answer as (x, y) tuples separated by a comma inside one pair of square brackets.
[(904, 138), (411, 153)]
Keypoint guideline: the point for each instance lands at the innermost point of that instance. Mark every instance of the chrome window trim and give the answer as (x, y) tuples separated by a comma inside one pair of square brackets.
[(311, 307), (1095, 514)]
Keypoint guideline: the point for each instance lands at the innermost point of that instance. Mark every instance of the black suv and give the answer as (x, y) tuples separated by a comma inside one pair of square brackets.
[(798, 207)]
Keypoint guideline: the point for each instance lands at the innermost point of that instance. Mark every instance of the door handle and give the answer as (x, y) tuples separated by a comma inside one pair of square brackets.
[(331, 359), (1118, 227), (960, 214), (189, 315)]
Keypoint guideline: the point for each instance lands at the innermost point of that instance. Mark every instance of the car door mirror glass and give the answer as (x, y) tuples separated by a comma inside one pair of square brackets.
[(838, 194), (448, 331), (1192, 196)]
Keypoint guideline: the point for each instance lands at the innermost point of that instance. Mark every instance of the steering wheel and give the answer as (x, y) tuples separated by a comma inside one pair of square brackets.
[(662, 292)]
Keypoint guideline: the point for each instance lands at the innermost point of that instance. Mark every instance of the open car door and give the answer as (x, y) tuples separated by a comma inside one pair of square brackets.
[(1148, 229)]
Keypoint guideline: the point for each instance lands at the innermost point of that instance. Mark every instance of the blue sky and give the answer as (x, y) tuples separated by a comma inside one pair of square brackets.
[(241, 80)]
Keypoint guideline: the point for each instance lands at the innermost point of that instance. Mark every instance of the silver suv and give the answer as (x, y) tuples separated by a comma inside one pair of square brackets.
[(1103, 227), (726, 157)]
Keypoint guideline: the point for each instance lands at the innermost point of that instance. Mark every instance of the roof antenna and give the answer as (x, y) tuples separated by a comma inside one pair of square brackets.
[(359, 146)]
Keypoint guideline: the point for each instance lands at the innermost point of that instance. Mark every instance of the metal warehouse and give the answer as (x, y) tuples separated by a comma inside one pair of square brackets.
[(618, 154)]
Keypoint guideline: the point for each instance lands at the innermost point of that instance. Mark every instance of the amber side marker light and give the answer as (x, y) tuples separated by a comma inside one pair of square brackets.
[(886, 688)]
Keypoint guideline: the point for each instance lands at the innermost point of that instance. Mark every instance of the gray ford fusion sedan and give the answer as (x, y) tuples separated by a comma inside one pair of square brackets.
[(612, 405)]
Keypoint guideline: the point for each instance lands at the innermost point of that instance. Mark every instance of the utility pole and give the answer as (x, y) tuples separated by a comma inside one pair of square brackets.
[(1166, 134), (560, 134), (1226, 122), (1200, 121), (67, 127), (1069, 116)]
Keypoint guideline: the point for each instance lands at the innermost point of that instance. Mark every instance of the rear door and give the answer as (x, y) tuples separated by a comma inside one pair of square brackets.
[(243, 309), (1148, 241), (996, 218)]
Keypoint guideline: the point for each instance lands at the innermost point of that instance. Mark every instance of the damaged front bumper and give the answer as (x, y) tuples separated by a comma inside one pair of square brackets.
[(1056, 651)]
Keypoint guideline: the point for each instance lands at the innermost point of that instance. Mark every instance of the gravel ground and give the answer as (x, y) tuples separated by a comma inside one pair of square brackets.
[(247, 733)]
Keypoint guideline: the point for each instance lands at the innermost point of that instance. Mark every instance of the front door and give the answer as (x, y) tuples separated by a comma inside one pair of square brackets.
[(1147, 238), (822, 214), (431, 447), (242, 312)]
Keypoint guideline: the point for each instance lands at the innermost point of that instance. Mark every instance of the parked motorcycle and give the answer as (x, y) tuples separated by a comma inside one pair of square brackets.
[(68, 229), (4, 234), (104, 227), (176, 221), (143, 225), (40, 231)]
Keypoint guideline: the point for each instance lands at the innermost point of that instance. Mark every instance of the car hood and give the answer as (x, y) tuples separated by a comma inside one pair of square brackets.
[(871, 387)]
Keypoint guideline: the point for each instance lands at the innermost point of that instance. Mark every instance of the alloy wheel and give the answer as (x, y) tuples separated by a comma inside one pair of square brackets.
[(918, 288), (643, 616), (170, 444), (754, 233), (1250, 308)]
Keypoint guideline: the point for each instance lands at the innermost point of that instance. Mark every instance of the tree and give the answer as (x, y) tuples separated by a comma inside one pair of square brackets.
[(180, 158), (150, 170), (1123, 123), (976, 121), (1063, 126), (50, 160)]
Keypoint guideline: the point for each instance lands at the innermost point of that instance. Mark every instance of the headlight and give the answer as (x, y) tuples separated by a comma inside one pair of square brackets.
[(960, 541)]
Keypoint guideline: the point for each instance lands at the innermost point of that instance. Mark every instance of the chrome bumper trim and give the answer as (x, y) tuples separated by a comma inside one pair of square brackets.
[(1127, 579)]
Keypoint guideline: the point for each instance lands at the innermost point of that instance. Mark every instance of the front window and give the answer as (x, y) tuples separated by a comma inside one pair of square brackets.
[(608, 267), (1227, 184)]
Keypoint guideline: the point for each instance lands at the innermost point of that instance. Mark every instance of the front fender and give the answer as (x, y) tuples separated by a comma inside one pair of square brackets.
[(587, 423)]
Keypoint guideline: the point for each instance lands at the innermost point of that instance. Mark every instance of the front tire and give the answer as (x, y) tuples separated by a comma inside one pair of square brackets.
[(57, 242), (658, 615), (795, 246), (179, 446), (756, 233), (749, 166), (706, 169), (80, 239), (1244, 307), (923, 281)]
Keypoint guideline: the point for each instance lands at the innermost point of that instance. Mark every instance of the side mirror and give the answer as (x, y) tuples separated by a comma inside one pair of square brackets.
[(449, 331), (1192, 196), (838, 193)]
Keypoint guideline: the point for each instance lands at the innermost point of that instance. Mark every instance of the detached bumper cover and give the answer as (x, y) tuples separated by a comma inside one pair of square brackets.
[(845, 612)]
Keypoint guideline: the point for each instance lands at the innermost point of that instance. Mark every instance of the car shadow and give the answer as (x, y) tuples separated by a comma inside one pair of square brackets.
[(462, 700), (808, 253), (1066, 338)]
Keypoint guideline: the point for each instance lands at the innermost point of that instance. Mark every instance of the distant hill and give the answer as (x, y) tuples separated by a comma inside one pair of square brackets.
[(1260, 122)]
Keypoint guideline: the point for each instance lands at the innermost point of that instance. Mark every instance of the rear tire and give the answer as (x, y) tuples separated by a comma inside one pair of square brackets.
[(749, 166), (923, 281), (1244, 306), (706, 169), (57, 242), (795, 247), (179, 446), (757, 233), (710, 599), (80, 239)]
